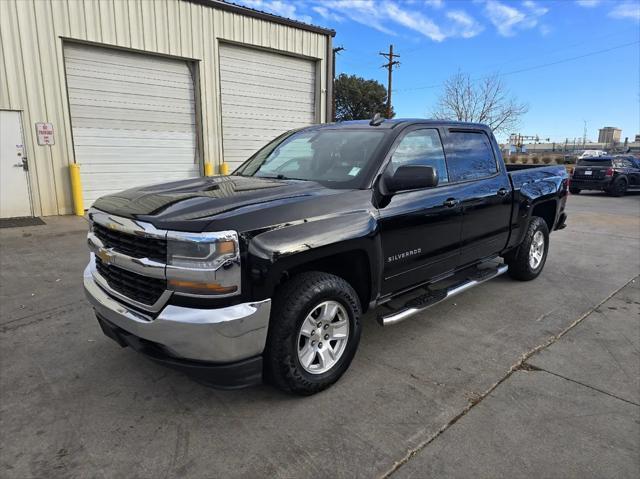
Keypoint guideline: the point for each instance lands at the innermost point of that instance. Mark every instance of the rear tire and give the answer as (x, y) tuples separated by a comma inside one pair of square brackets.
[(575, 191), (618, 188), (313, 334), (527, 261)]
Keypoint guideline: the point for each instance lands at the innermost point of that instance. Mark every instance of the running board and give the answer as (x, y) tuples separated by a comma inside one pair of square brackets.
[(421, 303)]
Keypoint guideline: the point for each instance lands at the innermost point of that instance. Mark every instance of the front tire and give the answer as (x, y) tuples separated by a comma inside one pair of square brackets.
[(314, 333), (527, 261), (574, 191)]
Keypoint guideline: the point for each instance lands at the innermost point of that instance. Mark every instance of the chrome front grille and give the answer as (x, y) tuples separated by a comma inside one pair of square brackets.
[(136, 246), (139, 288)]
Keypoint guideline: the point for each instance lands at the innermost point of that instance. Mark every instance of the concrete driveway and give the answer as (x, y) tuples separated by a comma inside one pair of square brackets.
[(499, 382)]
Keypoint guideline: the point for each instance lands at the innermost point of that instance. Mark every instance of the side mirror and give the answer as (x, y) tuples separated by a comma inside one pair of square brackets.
[(412, 178)]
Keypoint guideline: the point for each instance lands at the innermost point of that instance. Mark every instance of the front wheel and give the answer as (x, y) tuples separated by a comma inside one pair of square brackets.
[(527, 261), (314, 333), (574, 191)]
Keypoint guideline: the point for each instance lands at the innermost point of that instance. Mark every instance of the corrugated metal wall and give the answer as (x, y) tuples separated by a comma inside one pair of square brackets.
[(32, 77)]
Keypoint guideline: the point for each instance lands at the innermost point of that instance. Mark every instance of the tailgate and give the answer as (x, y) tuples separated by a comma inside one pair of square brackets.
[(590, 173)]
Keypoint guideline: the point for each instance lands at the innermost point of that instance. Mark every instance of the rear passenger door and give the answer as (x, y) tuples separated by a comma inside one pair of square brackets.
[(420, 229), (485, 196)]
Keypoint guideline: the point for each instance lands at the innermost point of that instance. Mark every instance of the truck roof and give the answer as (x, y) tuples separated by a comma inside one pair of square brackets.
[(394, 122)]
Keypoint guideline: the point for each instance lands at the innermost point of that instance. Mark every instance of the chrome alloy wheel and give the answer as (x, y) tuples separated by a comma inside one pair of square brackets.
[(536, 252), (323, 336)]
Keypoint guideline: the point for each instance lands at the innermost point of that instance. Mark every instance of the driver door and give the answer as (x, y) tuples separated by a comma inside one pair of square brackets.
[(421, 230)]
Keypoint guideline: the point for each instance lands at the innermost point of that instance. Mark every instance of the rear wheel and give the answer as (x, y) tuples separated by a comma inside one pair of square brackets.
[(527, 261), (618, 188), (314, 333), (575, 191)]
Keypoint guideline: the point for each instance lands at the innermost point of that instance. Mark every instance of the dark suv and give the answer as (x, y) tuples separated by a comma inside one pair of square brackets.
[(612, 174)]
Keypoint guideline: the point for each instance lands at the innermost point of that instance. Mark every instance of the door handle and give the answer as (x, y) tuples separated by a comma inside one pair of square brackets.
[(450, 202), (502, 192), (24, 165)]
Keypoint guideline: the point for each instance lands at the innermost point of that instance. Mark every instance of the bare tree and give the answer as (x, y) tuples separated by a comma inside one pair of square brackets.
[(483, 101)]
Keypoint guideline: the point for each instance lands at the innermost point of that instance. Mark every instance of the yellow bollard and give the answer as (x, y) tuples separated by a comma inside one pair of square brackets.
[(76, 189), (208, 169), (224, 168)]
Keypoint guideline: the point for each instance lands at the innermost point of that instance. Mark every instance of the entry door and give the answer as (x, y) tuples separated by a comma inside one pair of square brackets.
[(421, 229), (14, 179), (486, 200)]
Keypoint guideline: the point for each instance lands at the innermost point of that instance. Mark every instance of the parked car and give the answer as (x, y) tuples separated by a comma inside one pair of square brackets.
[(612, 174), (269, 270)]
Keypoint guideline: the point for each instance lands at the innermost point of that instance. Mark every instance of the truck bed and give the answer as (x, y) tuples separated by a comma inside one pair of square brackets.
[(523, 174)]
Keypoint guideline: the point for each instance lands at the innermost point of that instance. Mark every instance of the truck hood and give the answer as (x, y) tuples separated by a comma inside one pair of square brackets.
[(230, 203)]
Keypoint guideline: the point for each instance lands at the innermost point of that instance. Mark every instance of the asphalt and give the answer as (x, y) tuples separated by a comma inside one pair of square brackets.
[(509, 379)]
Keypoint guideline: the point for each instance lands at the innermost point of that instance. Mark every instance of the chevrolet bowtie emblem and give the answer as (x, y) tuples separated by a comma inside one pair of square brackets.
[(105, 255)]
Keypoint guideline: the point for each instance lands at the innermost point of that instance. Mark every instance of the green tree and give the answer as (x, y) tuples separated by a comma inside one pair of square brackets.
[(359, 99)]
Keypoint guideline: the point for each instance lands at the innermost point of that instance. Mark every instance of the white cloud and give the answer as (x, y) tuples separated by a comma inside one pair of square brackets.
[(325, 13), (588, 3), (414, 21), (278, 7), (389, 16), (366, 12), (627, 10), (467, 26), (508, 19)]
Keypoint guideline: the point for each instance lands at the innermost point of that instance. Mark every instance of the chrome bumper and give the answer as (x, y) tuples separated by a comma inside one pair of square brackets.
[(216, 335)]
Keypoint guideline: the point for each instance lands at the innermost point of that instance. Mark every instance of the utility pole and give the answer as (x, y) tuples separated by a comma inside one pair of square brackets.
[(333, 81), (584, 133), (389, 66)]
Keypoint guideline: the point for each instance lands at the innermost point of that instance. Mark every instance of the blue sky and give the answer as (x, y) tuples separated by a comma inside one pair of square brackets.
[(570, 61)]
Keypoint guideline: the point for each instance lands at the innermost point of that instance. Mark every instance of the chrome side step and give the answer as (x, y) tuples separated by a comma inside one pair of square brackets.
[(421, 303)]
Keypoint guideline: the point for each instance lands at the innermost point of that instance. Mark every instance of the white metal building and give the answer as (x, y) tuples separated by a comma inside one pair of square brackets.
[(144, 91)]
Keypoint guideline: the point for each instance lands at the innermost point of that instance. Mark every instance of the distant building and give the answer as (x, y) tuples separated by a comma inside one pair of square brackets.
[(609, 134), (637, 138)]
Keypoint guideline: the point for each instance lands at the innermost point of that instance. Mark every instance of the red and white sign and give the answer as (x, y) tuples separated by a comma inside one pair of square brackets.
[(45, 133)]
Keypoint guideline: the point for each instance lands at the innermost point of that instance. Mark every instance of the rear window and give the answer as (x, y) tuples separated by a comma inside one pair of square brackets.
[(593, 162)]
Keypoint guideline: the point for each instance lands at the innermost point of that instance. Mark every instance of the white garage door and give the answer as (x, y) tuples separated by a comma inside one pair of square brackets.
[(263, 95), (132, 117)]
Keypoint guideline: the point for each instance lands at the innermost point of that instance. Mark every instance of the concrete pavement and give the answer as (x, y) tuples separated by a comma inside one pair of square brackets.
[(73, 404)]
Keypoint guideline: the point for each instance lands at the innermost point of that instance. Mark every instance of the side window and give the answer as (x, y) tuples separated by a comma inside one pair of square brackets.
[(421, 147), (470, 156)]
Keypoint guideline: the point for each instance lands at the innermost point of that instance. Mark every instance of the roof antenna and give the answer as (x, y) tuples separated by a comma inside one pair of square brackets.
[(376, 120)]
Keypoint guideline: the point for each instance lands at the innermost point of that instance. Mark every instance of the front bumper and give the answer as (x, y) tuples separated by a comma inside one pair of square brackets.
[(224, 335)]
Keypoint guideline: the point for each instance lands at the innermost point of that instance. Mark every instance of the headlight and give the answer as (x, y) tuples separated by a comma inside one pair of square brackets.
[(203, 264)]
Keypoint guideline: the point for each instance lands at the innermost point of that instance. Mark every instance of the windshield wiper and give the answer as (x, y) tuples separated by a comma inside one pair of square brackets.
[(281, 177)]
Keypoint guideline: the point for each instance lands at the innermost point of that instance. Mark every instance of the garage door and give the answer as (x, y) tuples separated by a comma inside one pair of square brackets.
[(263, 95), (132, 117)]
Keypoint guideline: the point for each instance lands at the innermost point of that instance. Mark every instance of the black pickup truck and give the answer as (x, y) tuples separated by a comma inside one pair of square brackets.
[(266, 272)]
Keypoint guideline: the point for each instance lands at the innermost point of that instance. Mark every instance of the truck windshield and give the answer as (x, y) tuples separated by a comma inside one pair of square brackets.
[(339, 158)]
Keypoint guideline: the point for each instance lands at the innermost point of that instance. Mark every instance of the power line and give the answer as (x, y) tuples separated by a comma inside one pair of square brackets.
[(536, 67)]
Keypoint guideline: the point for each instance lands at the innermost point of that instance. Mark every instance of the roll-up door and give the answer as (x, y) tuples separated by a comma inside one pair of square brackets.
[(263, 95), (132, 117)]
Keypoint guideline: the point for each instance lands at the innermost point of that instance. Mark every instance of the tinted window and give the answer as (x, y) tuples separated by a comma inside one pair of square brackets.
[(421, 147), (470, 156), (594, 162), (336, 157)]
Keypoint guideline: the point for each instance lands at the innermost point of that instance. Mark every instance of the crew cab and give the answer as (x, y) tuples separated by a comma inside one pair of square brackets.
[(266, 273), (612, 174)]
